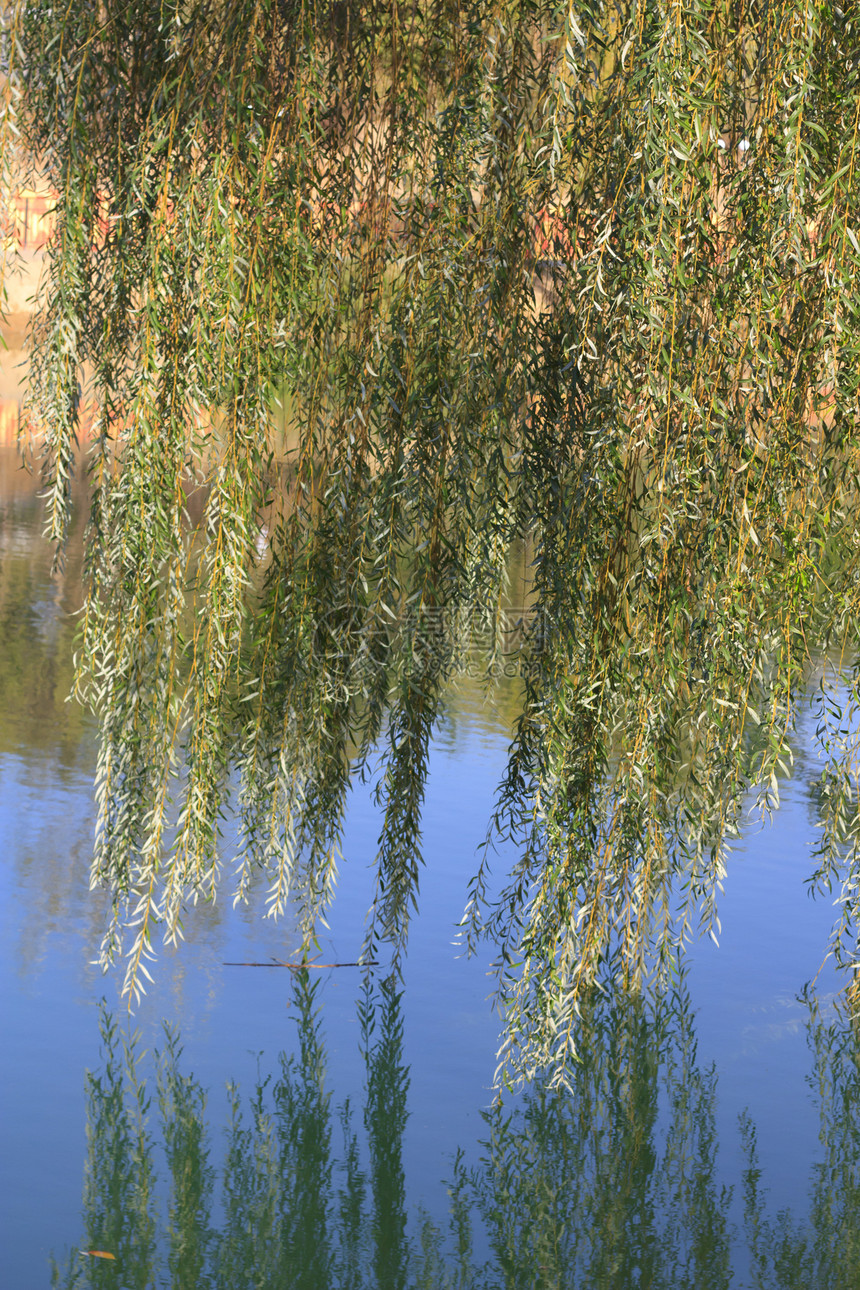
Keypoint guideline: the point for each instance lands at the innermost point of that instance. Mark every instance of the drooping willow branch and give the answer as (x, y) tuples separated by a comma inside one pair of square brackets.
[(381, 292)]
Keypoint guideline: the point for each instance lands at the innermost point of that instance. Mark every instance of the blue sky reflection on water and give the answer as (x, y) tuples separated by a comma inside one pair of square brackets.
[(233, 1021)]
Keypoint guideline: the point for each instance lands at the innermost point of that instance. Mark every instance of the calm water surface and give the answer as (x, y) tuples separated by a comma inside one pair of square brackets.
[(369, 1154)]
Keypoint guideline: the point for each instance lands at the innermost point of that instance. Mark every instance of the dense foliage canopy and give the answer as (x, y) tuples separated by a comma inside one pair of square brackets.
[(368, 299)]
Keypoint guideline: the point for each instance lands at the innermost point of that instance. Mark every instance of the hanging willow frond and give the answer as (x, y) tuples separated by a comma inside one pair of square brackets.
[(367, 294)]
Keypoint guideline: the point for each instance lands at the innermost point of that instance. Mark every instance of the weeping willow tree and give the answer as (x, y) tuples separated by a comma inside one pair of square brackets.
[(362, 297)]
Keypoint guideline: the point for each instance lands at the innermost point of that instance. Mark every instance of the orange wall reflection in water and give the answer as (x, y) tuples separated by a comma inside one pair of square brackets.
[(12, 422), (10, 416)]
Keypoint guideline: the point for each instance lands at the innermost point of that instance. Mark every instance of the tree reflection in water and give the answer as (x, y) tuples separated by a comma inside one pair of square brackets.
[(613, 1184)]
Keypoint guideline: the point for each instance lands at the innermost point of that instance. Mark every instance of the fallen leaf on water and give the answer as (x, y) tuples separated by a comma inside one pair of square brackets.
[(98, 1254)]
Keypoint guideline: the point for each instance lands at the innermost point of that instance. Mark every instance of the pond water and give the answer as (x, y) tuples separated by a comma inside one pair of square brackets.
[(332, 1132)]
